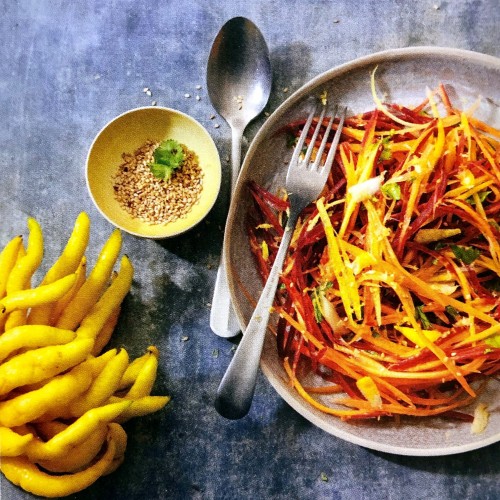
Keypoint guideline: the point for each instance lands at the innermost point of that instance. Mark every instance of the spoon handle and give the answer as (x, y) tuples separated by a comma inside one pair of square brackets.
[(223, 321), (236, 139), (235, 392)]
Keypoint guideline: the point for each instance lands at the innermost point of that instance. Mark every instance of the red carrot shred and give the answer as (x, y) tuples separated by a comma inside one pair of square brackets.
[(427, 327)]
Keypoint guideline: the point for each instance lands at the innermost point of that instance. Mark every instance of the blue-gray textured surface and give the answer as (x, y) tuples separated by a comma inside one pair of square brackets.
[(66, 68)]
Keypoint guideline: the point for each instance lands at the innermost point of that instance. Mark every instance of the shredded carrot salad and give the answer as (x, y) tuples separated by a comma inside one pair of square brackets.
[(390, 291)]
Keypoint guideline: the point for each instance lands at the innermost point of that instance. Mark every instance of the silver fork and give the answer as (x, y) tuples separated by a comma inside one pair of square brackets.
[(304, 182)]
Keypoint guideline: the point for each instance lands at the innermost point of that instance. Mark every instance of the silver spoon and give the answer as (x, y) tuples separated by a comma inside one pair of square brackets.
[(239, 79)]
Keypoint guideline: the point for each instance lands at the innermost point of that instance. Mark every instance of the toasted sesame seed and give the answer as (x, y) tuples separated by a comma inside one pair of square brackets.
[(153, 200)]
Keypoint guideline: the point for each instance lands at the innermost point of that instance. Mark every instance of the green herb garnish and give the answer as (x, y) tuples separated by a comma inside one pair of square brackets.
[(386, 153), (168, 156), (493, 285), (466, 254), (420, 315), (317, 293), (392, 190), (451, 311), (291, 140), (482, 197), (318, 312)]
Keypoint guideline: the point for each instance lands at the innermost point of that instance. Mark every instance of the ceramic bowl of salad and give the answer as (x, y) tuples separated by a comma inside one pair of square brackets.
[(385, 332), (154, 172)]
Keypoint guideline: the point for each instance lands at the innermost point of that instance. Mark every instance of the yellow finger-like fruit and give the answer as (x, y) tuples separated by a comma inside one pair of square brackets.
[(13, 444), (39, 364), (24, 473)]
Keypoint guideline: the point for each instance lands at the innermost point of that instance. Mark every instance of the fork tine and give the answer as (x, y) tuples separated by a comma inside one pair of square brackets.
[(302, 138), (321, 148), (312, 143), (336, 138)]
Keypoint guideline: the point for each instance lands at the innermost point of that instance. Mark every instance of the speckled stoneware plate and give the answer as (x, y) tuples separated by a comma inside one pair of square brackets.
[(402, 76)]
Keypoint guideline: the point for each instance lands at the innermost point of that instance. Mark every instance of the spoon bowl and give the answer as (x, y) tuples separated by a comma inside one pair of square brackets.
[(239, 75), (239, 80)]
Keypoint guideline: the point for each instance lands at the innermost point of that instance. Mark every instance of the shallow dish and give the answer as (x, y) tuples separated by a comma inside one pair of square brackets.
[(128, 132), (402, 76)]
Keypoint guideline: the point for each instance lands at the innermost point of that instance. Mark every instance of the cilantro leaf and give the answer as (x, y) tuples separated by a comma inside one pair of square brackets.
[(168, 156), (318, 313), (317, 293), (392, 190), (466, 254), (291, 140), (161, 171), (420, 315), (451, 311), (169, 151), (386, 153), (493, 285), (482, 197), (326, 286)]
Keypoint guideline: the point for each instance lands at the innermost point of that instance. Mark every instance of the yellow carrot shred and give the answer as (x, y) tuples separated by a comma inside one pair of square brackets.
[(393, 273)]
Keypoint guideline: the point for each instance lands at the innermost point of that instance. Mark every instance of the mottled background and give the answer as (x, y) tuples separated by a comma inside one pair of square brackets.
[(66, 68)]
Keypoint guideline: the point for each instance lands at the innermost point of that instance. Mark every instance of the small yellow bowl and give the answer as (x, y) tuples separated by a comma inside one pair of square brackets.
[(128, 132)]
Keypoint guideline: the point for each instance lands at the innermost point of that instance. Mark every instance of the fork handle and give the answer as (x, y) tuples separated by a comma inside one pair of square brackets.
[(235, 392)]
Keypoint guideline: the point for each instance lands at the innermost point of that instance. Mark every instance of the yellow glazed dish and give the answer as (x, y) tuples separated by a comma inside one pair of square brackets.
[(128, 132)]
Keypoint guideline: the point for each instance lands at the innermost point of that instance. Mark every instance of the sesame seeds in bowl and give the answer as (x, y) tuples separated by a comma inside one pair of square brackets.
[(154, 200), (128, 191)]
